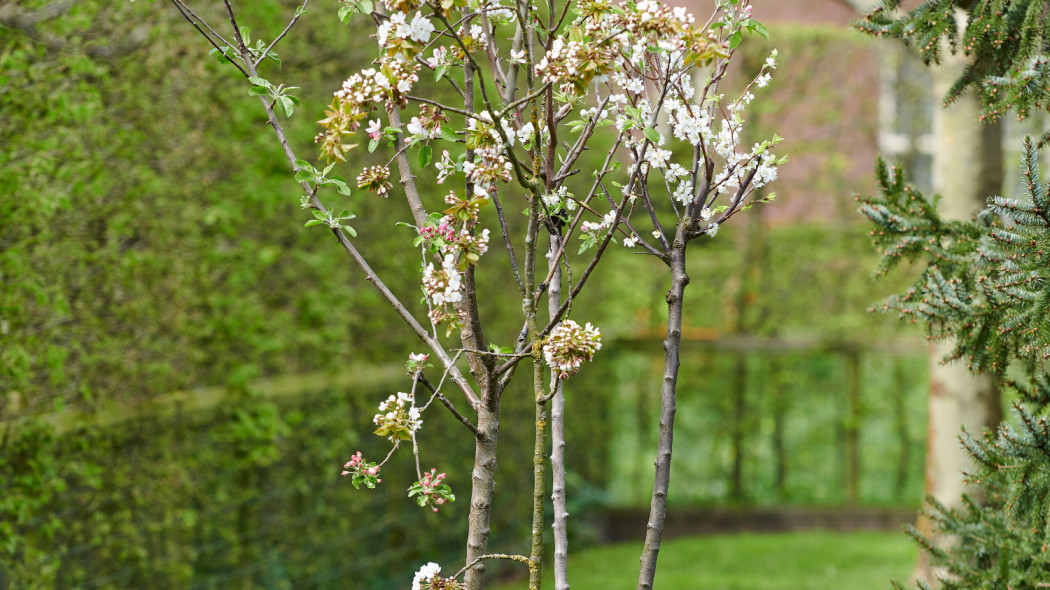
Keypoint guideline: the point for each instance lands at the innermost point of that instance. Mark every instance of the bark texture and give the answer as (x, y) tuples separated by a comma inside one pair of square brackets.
[(658, 504), (483, 487), (967, 169), (561, 514)]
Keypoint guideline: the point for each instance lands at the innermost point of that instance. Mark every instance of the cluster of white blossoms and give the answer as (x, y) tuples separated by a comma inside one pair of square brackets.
[(398, 418), (474, 38), (427, 579), (523, 134), (440, 58), (639, 57), (593, 229), (560, 199), (495, 11), (488, 167), (418, 30), (394, 78), (457, 248), (444, 284), (569, 346)]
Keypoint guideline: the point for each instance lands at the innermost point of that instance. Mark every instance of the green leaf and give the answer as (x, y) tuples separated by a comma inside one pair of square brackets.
[(313, 222), (652, 135), (287, 106), (448, 134), (372, 145), (426, 153), (350, 230), (305, 176), (260, 82), (757, 27), (258, 91), (734, 39)]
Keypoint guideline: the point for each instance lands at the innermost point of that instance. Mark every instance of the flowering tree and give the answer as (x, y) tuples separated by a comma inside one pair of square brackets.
[(537, 85)]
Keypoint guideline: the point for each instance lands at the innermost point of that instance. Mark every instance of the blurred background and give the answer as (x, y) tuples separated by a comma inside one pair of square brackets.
[(184, 369)]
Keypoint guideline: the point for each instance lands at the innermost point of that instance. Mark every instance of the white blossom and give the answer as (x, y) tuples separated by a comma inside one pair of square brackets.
[(383, 32), (425, 574), (420, 29), (525, 133)]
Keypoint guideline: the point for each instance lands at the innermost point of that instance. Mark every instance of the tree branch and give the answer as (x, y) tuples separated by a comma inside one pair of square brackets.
[(298, 13)]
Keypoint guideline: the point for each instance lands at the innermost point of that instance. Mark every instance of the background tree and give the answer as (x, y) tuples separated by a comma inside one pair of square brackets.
[(981, 295), (967, 167)]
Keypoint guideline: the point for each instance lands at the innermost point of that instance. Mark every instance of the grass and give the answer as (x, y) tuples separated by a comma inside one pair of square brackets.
[(813, 560)]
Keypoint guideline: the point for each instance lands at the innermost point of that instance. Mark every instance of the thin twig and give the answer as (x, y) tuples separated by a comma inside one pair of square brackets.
[(436, 391), (506, 240), (190, 16), (299, 12), (479, 559)]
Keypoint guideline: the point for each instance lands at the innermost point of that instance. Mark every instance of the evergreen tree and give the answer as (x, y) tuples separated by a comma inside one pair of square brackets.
[(1006, 41), (984, 286)]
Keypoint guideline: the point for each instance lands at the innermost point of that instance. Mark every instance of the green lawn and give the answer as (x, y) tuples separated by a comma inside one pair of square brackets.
[(782, 561)]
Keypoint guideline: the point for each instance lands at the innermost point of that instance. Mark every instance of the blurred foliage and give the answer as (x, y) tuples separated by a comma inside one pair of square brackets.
[(149, 243), (143, 248)]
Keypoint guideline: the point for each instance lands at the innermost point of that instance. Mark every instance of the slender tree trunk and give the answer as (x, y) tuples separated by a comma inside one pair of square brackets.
[(561, 514), (967, 169), (736, 472), (483, 484), (658, 505), (539, 473), (779, 409), (852, 427)]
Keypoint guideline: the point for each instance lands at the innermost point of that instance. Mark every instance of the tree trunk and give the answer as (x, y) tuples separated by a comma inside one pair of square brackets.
[(658, 505), (483, 485), (736, 470), (967, 169), (852, 427), (558, 502)]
